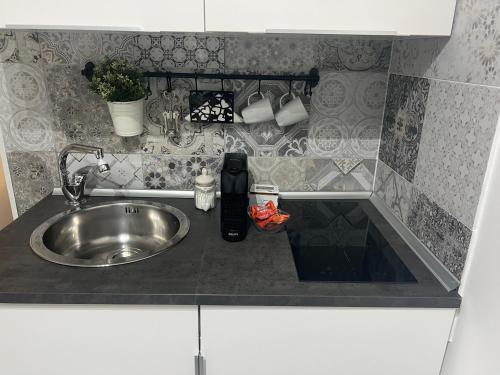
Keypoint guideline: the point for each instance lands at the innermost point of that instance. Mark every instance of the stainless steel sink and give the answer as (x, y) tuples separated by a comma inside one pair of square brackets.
[(110, 233)]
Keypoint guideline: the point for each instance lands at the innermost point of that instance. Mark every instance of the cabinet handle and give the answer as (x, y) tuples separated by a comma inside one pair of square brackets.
[(199, 365)]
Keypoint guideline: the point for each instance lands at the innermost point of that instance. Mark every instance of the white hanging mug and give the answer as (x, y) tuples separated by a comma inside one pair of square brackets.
[(260, 111), (291, 112)]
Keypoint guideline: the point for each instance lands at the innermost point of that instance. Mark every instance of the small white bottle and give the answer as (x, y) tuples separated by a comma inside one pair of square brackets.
[(204, 191)]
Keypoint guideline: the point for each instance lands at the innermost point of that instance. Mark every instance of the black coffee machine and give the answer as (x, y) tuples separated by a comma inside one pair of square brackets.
[(234, 197)]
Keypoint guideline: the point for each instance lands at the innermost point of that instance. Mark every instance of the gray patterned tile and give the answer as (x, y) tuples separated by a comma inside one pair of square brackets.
[(415, 57), (22, 86), (394, 190), (19, 46), (80, 116), (34, 176), (346, 165), (446, 237), (266, 138), (353, 53), (8, 46), (346, 115), (172, 172), (269, 54), (193, 138), (26, 120), (459, 126), (179, 52), (79, 47), (125, 172), (471, 54), (325, 175), (402, 126), (287, 173), (28, 130)]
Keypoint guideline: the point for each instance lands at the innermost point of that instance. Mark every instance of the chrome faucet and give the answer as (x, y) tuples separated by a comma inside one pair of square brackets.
[(73, 187)]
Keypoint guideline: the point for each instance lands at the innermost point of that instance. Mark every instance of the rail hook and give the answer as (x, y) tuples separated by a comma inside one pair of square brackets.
[(148, 89), (169, 84)]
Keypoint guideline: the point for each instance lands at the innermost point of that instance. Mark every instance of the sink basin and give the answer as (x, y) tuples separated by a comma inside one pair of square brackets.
[(109, 234)]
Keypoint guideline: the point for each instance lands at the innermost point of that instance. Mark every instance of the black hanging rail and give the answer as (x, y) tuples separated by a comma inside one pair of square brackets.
[(311, 79)]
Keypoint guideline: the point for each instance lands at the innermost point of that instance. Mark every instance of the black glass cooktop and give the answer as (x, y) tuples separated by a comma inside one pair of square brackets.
[(337, 241)]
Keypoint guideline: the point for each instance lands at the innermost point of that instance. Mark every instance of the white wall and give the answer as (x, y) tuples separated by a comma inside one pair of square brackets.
[(8, 209), (5, 210), (475, 345)]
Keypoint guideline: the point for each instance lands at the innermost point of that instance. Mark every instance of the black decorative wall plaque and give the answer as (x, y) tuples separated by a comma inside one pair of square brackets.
[(211, 106)]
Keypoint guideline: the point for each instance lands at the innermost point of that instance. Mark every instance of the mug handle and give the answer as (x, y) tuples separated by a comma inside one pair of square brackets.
[(284, 96), (256, 92)]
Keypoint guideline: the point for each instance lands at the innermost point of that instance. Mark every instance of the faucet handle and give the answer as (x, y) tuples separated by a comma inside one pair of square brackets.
[(78, 179)]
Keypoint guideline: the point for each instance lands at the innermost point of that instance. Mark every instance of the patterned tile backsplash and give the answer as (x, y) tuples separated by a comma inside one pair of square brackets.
[(395, 191), (442, 111), (346, 115), (377, 99), (34, 175), (402, 127), (79, 47), (471, 54), (45, 104), (179, 52), (460, 122), (172, 172), (268, 54), (19, 46), (125, 172), (444, 235), (27, 122)]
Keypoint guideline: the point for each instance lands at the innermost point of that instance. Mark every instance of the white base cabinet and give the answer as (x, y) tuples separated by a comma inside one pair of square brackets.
[(150, 340), (87, 340), (348, 341)]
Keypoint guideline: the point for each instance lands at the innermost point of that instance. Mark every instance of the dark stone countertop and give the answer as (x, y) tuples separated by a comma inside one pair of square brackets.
[(202, 269)]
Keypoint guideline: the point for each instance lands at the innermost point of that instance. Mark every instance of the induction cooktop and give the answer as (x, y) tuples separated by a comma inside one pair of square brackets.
[(336, 241)]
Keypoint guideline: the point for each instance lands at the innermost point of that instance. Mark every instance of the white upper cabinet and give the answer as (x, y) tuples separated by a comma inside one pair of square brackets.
[(147, 15), (368, 17)]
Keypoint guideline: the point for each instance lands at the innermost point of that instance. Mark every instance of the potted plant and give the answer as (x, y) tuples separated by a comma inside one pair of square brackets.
[(122, 86)]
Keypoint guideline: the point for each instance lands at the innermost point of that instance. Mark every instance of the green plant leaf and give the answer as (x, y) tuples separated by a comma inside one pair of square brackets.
[(117, 80)]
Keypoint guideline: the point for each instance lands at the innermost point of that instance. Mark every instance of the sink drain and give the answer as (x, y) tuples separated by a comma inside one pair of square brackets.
[(125, 253)]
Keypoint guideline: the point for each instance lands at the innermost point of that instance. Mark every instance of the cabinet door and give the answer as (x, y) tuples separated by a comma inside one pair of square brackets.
[(148, 15), (298, 341), (370, 17), (64, 340)]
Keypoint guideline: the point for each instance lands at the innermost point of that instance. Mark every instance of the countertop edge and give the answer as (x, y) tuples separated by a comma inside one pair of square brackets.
[(451, 302)]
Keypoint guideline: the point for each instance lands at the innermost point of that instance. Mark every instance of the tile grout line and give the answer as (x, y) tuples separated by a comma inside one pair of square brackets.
[(377, 158), (446, 80), (414, 187)]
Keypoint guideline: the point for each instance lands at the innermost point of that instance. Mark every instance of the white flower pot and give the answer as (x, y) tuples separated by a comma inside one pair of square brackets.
[(127, 117)]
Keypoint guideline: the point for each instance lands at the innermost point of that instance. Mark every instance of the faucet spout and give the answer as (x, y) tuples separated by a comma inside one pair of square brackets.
[(74, 188)]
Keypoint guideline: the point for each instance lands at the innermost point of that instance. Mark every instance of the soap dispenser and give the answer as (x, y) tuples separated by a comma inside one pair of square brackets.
[(204, 191)]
